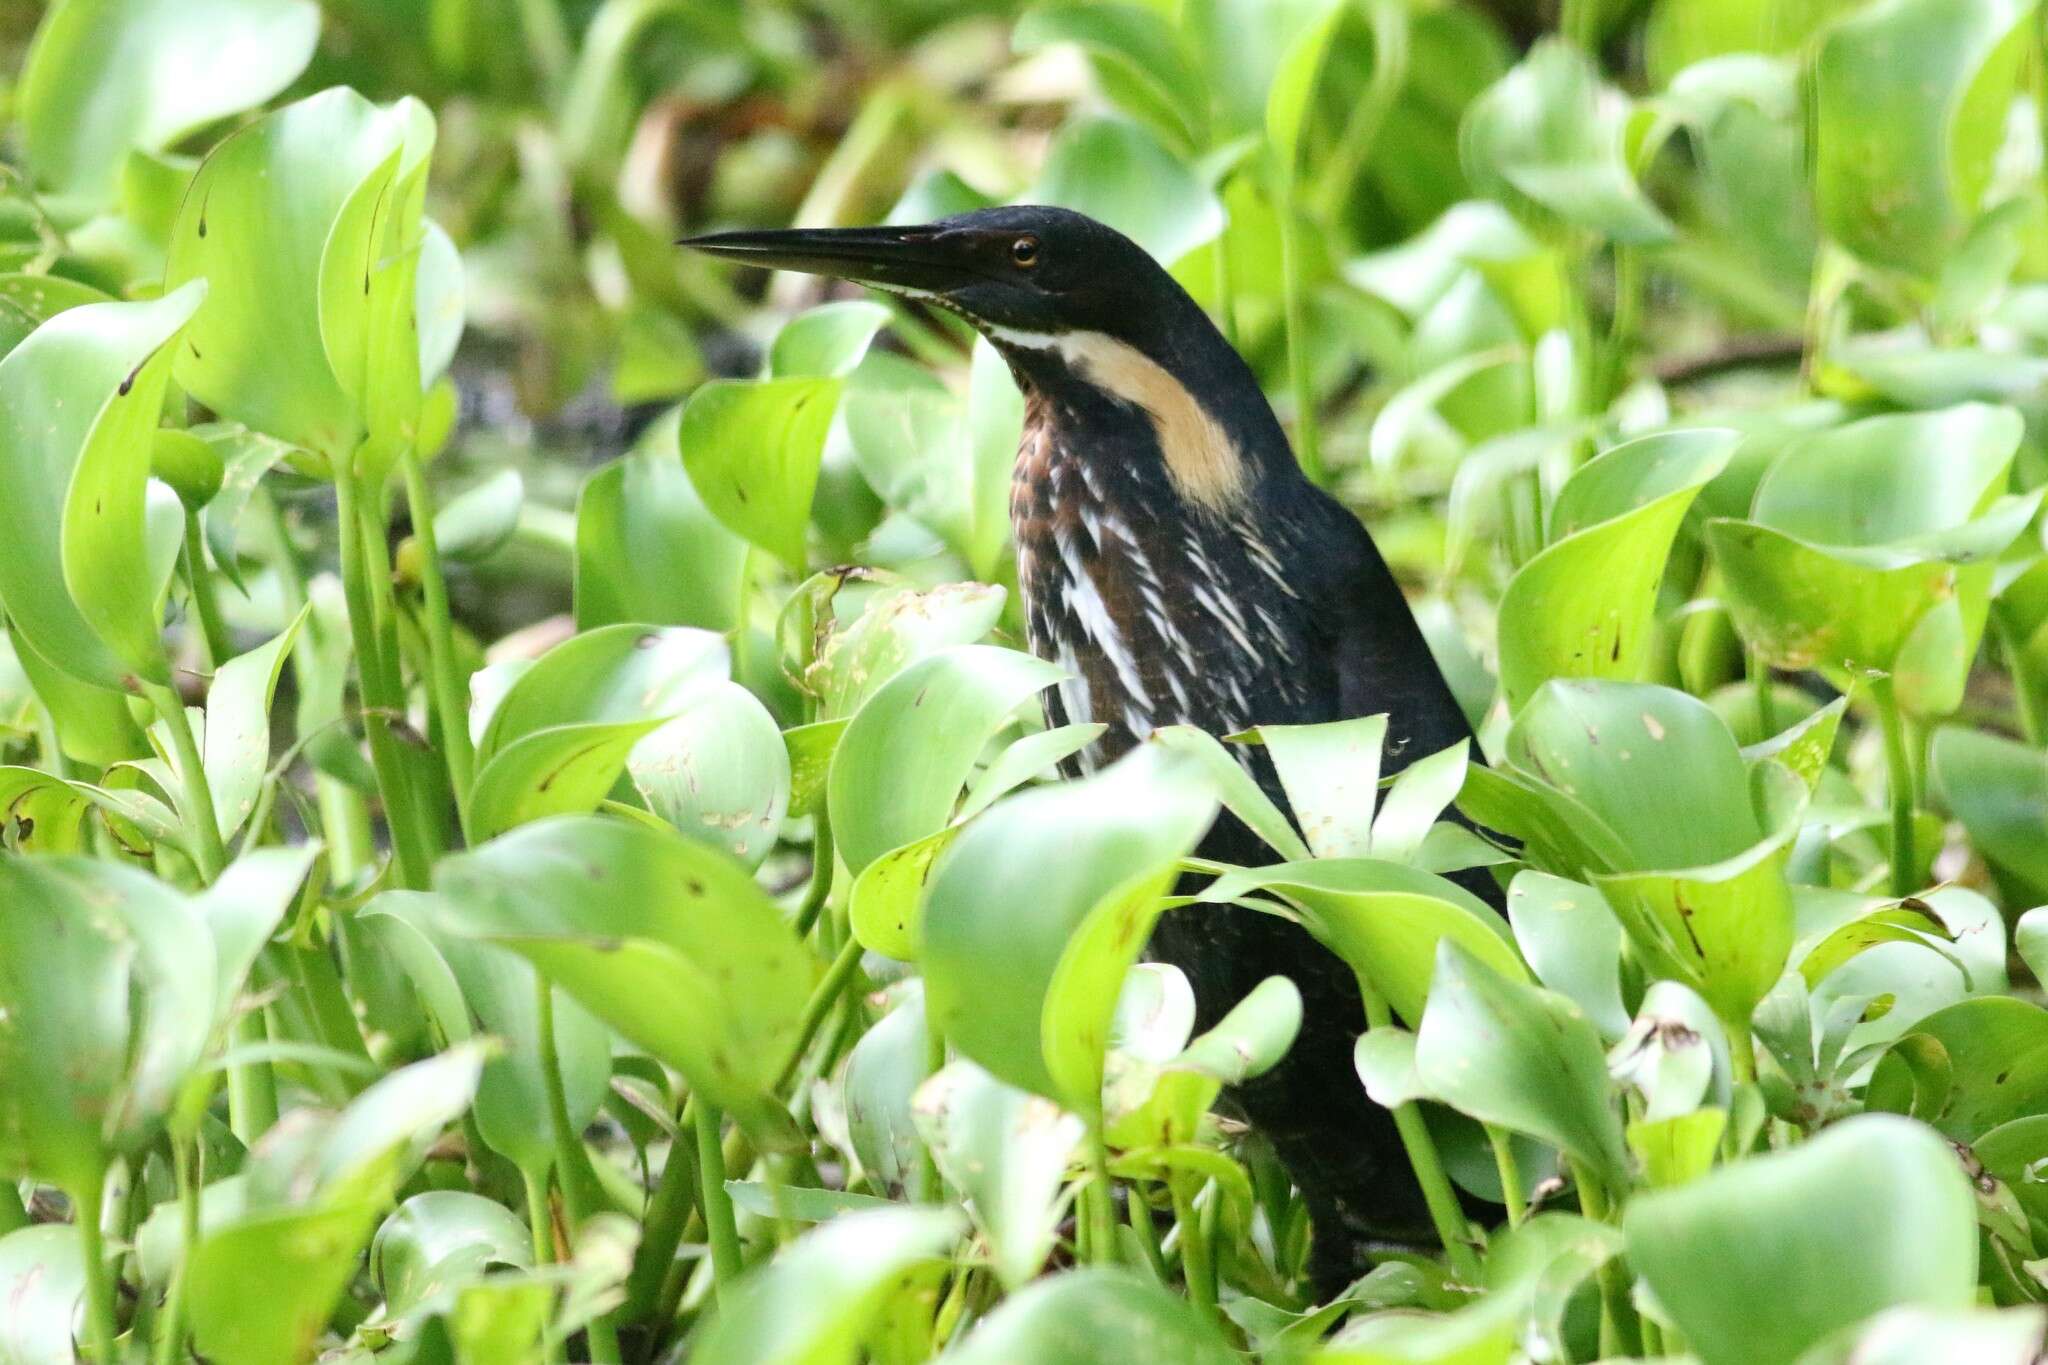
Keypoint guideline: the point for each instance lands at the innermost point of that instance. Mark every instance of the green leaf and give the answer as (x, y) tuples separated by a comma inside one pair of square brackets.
[(907, 444), (237, 750), (1800, 1231), (995, 421), (752, 450), (1549, 141), (107, 77), (1995, 1049), (1241, 793), (1331, 775), (718, 772), (816, 1299), (1573, 944), (1387, 921), (1024, 879), (1585, 606), (1117, 172), (666, 940), (1007, 1151), (265, 224), (1515, 1055), (260, 1290), (875, 1087), (894, 631), (78, 401), (826, 342), (476, 523), (900, 766), (1909, 98), (440, 1239), (1998, 789), (1859, 532), (1097, 1316), (1292, 100), (243, 908), (647, 549), (42, 1280), (558, 738), (1158, 75)]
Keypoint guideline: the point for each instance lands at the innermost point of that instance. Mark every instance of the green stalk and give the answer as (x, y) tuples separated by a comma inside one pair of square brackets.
[(170, 1328), (1579, 21), (1619, 1332), (205, 602), (1307, 442), (1766, 699), (1138, 1209), (1194, 1247), (1444, 1212), (1226, 286), (1096, 1200), (13, 1216), (1510, 1174), (1741, 1051), (86, 1207), (451, 689), (541, 1227), (662, 1229), (742, 647), (822, 870), (822, 998), (413, 864), (717, 1203), (1899, 781), (603, 1336), (547, 43), (208, 852), (929, 1189), (1625, 321)]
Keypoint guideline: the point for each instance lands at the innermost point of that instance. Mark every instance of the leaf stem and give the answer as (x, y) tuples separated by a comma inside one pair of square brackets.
[(719, 1223), (662, 1229), (379, 704), (1510, 1173), (451, 688), (541, 1226), (205, 601), (1451, 1228), (603, 1336), (1899, 781), (822, 998), (1096, 1200), (202, 824), (1307, 440), (1138, 1212), (86, 1208), (1619, 1331), (929, 1187), (1194, 1246), (823, 868), (170, 1328)]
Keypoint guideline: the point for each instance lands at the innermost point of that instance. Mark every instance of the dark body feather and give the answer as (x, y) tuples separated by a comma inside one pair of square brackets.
[(1274, 608)]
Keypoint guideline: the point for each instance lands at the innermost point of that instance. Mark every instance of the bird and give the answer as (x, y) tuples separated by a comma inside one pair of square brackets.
[(1177, 564)]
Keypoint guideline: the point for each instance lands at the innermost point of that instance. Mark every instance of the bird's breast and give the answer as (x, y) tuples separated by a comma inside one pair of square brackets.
[(1160, 613)]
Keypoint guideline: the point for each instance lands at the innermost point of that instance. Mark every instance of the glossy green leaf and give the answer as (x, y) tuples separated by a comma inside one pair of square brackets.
[(817, 1298), (1999, 790), (42, 1280), (237, 751), (1384, 919), (1584, 607), (1515, 1055), (1331, 775), (1117, 172), (1799, 1230), (1908, 102), (667, 940), (80, 399), (876, 1086), (900, 766), (1159, 80), (1097, 1316), (556, 741), (827, 341), (1007, 1151), (265, 223), (1024, 879), (1548, 140), (894, 631), (107, 77), (1994, 1050), (474, 524), (718, 772), (751, 448), (1572, 943), (647, 549), (439, 1239), (260, 1290), (1292, 99)]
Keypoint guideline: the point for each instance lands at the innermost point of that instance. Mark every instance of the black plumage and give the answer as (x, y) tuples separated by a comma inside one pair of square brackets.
[(1176, 562)]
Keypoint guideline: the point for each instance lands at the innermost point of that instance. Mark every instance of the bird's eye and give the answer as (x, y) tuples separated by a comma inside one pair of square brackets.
[(1024, 252)]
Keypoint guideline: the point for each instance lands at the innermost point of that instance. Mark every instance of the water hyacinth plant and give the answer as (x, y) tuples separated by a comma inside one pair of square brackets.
[(528, 831)]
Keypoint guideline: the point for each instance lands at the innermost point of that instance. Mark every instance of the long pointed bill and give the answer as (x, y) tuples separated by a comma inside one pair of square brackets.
[(905, 258)]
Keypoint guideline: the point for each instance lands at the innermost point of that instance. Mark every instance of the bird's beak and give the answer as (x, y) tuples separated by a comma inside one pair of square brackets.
[(913, 259)]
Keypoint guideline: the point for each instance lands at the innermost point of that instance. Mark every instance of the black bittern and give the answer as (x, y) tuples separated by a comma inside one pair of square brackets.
[(1175, 561)]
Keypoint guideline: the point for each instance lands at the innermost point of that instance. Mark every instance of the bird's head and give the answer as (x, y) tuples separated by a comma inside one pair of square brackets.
[(1024, 275)]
